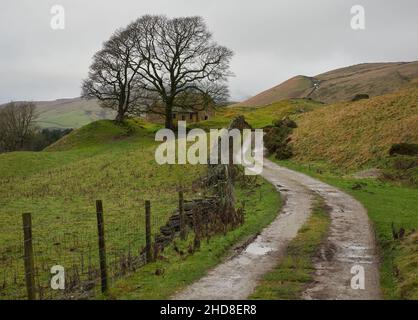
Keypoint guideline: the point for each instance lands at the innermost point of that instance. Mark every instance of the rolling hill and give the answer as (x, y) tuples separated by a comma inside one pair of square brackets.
[(70, 113), (114, 163), (373, 79)]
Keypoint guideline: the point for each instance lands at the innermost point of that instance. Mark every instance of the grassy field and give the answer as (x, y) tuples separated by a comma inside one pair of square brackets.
[(101, 161), (385, 203), (258, 117), (291, 277), (116, 164), (60, 186)]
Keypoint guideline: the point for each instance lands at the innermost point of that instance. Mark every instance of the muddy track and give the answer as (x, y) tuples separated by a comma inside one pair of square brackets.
[(350, 242)]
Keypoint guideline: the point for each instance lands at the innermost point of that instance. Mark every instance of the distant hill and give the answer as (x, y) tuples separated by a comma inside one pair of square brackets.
[(373, 79), (70, 113)]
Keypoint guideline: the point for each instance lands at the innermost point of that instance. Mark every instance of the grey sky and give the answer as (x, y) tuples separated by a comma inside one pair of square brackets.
[(273, 40)]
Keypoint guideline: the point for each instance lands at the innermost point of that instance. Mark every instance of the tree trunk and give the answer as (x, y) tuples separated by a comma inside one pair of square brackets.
[(119, 118), (121, 112), (169, 115)]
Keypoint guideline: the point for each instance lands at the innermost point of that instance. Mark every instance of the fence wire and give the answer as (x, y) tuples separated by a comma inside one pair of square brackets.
[(70, 240)]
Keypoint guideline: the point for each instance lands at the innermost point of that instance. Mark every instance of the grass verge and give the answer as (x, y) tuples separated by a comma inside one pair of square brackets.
[(290, 278)]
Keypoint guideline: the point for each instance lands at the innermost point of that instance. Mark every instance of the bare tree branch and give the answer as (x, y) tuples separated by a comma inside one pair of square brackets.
[(113, 75), (16, 125), (180, 62)]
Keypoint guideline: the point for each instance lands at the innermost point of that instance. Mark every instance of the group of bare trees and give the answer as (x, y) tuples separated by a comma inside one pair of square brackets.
[(157, 64), (16, 125), (19, 131)]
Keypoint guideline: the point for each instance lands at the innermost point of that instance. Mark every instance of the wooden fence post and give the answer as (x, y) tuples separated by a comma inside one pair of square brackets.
[(28, 256), (102, 246), (148, 231), (197, 229), (182, 217)]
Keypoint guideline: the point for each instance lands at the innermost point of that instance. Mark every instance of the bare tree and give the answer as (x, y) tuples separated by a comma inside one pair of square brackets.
[(113, 76), (17, 125), (178, 61)]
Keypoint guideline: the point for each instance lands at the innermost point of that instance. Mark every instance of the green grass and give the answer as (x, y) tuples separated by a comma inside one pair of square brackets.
[(60, 186), (262, 205), (292, 275), (73, 115), (335, 140), (117, 167), (72, 119), (385, 203), (258, 117), (113, 163)]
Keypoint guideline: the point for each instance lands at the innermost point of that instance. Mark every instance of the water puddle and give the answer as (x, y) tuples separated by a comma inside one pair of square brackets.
[(258, 249)]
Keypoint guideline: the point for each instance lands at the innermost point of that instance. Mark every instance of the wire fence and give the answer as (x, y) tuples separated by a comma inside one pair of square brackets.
[(92, 250), (81, 253)]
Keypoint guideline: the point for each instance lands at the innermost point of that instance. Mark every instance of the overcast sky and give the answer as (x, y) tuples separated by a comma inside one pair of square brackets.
[(273, 40)]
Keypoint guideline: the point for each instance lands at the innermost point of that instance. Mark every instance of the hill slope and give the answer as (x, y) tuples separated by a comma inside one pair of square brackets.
[(116, 164), (352, 134), (258, 117), (70, 113), (59, 187), (343, 84)]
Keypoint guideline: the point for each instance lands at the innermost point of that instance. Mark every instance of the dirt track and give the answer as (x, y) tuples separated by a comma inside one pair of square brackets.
[(350, 242)]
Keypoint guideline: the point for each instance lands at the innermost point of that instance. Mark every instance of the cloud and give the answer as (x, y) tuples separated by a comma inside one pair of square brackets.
[(272, 40)]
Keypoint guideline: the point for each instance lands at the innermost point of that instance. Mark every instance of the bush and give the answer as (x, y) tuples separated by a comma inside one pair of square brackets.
[(405, 163), (277, 138), (360, 96), (286, 122), (406, 149), (403, 169)]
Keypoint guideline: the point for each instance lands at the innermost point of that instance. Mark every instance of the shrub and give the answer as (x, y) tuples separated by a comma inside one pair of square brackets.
[(403, 169), (406, 149), (360, 96), (277, 138), (286, 122)]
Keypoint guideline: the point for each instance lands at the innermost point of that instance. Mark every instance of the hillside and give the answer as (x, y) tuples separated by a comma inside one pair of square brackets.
[(70, 113), (258, 117), (351, 134), (343, 84), (116, 164), (60, 186), (297, 87)]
